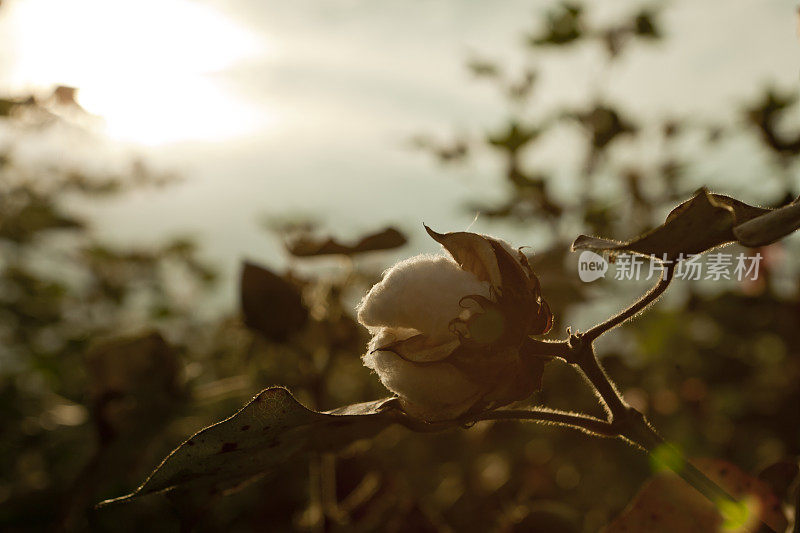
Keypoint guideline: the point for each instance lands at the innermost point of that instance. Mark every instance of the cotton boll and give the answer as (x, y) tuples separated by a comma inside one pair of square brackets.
[(422, 293), (447, 331), (431, 391)]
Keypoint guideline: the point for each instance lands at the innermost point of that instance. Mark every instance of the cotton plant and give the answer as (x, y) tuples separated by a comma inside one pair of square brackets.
[(456, 337)]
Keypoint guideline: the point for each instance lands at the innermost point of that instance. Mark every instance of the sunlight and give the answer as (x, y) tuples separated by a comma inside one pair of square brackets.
[(151, 68)]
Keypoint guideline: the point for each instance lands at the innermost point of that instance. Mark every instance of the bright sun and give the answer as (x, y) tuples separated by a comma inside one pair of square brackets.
[(149, 68)]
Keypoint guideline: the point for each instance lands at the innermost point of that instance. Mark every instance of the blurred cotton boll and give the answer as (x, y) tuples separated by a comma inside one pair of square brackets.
[(447, 331)]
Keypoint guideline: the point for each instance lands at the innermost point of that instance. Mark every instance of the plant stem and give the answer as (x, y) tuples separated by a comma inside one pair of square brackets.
[(585, 359), (624, 421), (639, 431), (588, 424), (628, 313), (541, 348), (629, 423)]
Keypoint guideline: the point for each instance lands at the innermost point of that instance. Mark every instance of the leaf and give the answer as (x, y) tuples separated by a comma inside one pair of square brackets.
[(564, 26), (473, 253), (513, 138), (667, 504), (386, 239), (769, 227), (270, 304), (39, 214), (604, 124), (483, 68), (645, 25), (701, 223), (270, 430), (766, 116)]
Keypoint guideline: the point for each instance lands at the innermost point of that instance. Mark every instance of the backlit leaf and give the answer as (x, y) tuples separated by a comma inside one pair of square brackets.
[(271, 429), (695, 226)]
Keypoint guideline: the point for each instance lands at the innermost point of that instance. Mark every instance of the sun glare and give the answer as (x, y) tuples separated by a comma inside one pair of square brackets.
[(152, 69)]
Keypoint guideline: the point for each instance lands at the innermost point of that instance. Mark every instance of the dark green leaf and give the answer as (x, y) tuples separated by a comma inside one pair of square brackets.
[(514, 137), (270, 304), (564, 26), (483, 68), (38, 215), (383, 240), (645, 25), (605, 124)]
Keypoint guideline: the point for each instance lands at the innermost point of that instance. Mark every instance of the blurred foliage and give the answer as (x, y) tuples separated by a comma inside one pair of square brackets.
[(306, 246), (667, 504), (105, 365)]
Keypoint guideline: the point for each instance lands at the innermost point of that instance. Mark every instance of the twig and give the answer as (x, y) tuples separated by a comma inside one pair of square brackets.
[(540, 348), (585, 359), (588, 424), (629, 423), (648, 298)]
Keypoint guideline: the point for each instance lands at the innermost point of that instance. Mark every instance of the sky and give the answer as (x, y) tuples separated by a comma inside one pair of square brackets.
[(272, 108)]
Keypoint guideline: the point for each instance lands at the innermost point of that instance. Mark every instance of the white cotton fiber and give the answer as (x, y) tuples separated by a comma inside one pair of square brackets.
[(431, 391), (422, 293)]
